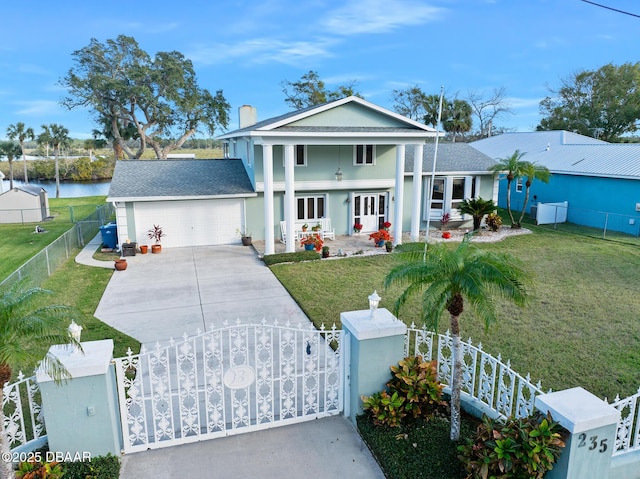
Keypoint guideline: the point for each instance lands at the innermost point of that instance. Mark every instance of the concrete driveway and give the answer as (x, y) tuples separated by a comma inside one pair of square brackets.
[(183, 290)]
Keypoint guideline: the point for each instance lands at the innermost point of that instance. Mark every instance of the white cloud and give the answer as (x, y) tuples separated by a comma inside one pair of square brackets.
[(38, 107), (261, 50), (379, 16)]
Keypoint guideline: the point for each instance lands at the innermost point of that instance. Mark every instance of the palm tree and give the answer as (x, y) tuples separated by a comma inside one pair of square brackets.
[(22, 327), (476, 207), (22, 133), (456, 118), (446, 277), (11, 150), (532, 171), (513, 166), (59, 137)]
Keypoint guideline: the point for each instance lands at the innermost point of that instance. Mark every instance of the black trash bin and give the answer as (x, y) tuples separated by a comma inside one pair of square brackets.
[(109, 235), (129, 249)]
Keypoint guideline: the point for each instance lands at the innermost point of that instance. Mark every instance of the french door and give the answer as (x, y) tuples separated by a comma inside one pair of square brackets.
[(369, 209)]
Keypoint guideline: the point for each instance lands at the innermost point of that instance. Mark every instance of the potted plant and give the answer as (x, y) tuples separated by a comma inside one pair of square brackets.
[(357, 227), (325, 251), (156, 235), (312, 242), (379, 237), (244, 236), (305, 227), (444, 221), (389, 246), (316, 227)]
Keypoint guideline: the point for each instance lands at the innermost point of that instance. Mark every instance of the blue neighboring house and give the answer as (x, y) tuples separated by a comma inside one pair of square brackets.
[(599, 180)]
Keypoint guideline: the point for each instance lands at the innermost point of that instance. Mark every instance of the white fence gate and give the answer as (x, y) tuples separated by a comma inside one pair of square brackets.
[(235, 379)]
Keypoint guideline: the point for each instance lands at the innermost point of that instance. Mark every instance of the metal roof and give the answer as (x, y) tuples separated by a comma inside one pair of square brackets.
[(567, 153), (139, 179), (452, 158)]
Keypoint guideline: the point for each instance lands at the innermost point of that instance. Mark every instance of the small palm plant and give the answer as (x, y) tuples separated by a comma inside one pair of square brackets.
[(23, 326), (446, 277), (478, 208)]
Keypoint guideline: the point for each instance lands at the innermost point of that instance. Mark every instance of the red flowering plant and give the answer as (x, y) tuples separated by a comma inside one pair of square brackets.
[(380, 236), (314, 240), (357, 227), (386, 225)]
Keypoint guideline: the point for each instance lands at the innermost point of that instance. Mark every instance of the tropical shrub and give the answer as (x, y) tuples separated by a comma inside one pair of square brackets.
[(99, 467), (414, 391), (494, 221), (33, 469), (517, 448)]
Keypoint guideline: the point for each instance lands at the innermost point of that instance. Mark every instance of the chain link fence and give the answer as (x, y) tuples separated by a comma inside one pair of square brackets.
[(583, 222), (44, 264)]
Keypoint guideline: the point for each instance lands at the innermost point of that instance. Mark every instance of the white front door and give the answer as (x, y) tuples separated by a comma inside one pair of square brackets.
[(369, 210)]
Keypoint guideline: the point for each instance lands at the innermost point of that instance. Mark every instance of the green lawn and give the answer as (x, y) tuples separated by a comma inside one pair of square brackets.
[(580, 329), (18, 243)]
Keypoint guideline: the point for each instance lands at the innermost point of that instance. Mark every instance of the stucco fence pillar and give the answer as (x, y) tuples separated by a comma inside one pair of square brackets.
[(375, 343), (82, 413), (591, 423)]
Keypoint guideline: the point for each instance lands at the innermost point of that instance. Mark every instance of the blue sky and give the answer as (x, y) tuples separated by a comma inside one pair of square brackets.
[(248, 47)]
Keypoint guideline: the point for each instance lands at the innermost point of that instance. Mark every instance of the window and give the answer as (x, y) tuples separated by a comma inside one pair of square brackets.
[(364, 155), (437, 198), (519, 185), (310, 207), (301, 155), (457, 192)]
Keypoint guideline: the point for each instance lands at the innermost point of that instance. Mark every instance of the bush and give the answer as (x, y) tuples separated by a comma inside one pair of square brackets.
[(494, 221), (414, 390), (99, 467), (517, 448), (270, 259)]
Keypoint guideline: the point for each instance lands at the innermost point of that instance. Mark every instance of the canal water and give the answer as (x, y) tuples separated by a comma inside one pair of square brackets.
[(68, 189)]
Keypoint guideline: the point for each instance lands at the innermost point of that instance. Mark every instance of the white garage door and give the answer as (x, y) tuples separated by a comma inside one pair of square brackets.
[(192, 222)]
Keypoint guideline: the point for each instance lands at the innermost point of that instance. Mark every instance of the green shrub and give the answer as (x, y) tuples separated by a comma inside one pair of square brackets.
[(270, 259), (517, 448), (414, 390), (39, 470), (417, 381), (99, 467)]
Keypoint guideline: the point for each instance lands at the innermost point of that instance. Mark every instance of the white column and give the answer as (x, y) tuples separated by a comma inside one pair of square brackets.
[(267, 173), (417, 192), (289, 197), (397, 221)]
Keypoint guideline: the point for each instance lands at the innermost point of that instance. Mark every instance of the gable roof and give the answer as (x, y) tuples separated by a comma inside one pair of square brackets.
[(316, 120), (147, 180), (452, 158), (567, 153)]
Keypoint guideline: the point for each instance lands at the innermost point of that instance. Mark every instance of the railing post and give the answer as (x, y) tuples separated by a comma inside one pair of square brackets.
[(82, 413), (591, 423), (375, 344)]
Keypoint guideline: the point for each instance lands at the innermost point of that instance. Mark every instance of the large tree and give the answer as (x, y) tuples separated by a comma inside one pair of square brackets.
[(310, 90), (456, 117), (159, 95), (410, 102), (511, 167), (446, 277), (21, 132), (532, 171), (59, 138), (487, 108), (11, 150), (23, 324), (602, 103)]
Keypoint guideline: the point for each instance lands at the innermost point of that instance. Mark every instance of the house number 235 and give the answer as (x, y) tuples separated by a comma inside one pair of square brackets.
[(592, 442)]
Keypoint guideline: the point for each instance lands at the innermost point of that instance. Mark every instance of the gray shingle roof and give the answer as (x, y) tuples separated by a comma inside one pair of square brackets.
[(173, 178), (452, 158), (567, 153)]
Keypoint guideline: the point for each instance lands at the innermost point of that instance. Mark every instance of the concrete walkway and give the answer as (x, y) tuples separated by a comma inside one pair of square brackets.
[(180, 290)]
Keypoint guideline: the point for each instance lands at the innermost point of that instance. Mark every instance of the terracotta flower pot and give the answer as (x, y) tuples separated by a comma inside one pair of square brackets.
[(156, 248), (144, 249), (120, 264)]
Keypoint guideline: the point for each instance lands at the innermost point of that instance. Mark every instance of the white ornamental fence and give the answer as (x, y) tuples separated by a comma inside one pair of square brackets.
[(235, 379), (628, 432), (22, 407)]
